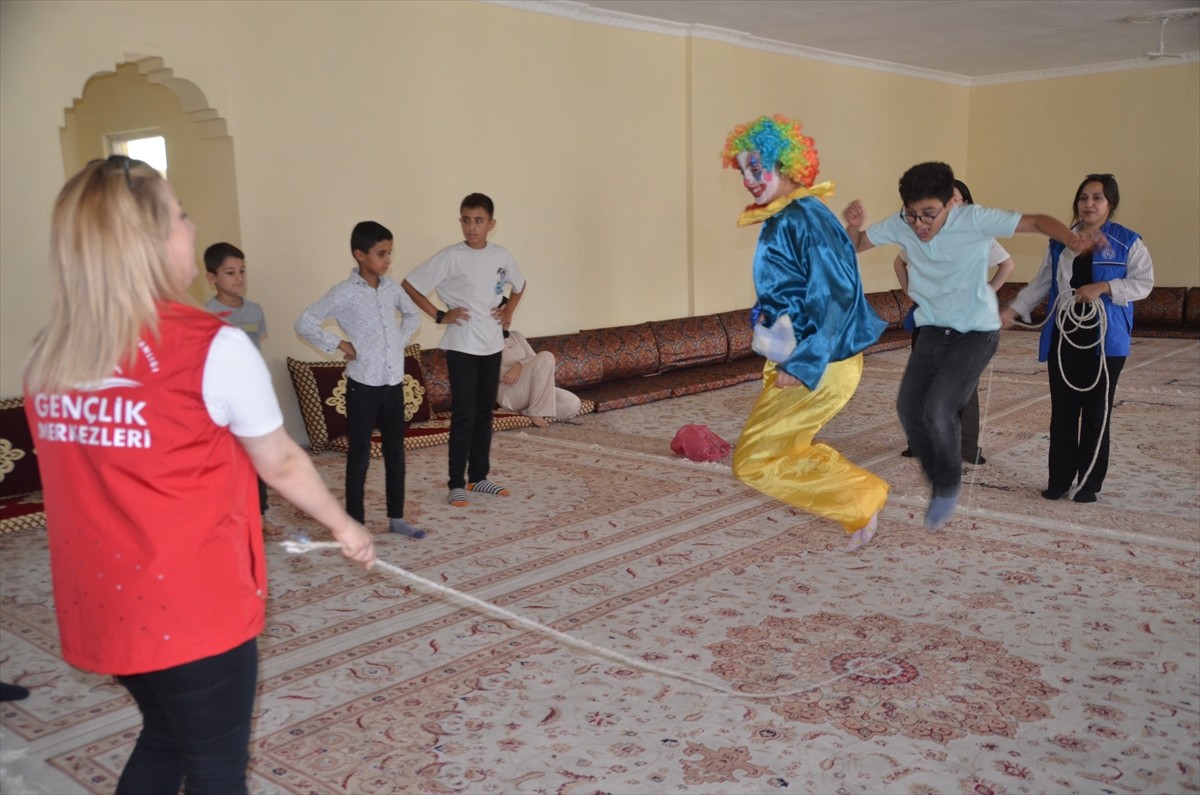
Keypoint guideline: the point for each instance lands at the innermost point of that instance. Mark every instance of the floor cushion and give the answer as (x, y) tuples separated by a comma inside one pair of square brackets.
[(321, 391), (690, 341), (20, 482)]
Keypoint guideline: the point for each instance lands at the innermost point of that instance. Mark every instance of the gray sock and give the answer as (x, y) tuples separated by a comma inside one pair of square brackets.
[(401, 527), (940, 511)]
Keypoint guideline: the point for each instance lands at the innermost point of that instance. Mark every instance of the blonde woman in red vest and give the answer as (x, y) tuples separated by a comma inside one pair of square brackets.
[(150, 418)]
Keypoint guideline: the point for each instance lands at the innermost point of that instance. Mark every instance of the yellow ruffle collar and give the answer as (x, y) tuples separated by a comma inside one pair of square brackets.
[(756, 215)]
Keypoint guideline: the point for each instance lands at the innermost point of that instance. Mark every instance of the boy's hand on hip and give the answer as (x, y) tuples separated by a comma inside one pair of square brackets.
[(348, 351), (455, 316)]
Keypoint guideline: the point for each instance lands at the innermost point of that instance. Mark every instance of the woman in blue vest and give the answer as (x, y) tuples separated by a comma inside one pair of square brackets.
[(1117, 272)]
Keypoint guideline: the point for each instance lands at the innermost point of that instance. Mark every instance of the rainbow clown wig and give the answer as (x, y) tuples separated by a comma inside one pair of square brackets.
[(778, 140)]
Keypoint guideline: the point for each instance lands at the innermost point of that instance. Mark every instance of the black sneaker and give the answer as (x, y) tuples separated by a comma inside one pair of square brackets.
[(12, 692), (977, 458)]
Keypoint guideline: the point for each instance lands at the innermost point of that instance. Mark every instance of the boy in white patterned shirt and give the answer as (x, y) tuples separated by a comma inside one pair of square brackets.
[(365, 307)]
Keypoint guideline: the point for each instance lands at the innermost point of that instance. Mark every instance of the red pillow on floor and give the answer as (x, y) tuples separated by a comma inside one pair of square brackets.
[(699, 443)]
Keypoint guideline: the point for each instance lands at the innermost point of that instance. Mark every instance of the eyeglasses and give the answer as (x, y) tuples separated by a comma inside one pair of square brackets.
[(926, 217)]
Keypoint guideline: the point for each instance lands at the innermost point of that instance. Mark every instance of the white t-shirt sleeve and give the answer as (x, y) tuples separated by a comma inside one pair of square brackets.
[(428, 274), (515, 277), (996, 254), (237, 386)]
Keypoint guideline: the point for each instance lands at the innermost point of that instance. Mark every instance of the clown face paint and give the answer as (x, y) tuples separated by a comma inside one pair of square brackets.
[(762, 184)]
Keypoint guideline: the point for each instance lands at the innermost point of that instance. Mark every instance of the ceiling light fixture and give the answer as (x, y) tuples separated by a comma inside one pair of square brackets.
[(1163, 17), (1179, 13)]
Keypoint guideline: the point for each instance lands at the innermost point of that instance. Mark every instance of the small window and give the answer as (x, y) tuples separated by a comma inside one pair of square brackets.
[(150, 149)]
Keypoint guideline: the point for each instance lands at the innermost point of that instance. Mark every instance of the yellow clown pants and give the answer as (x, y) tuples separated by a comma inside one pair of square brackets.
[(776, 455)]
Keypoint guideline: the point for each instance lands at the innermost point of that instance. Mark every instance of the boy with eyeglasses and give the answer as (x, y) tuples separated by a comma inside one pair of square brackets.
[(946, 247)]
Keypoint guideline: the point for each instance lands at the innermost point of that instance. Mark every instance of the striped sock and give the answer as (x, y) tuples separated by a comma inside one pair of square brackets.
[(458, 498), (486, 486)]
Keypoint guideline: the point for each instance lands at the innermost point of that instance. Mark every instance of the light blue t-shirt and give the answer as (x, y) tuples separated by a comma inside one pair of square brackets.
[(948, 276)]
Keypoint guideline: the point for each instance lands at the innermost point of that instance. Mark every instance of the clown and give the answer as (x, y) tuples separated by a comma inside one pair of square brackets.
[(811, 322)]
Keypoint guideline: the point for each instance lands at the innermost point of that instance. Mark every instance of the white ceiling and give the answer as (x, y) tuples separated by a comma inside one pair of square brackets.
[(969, 40)]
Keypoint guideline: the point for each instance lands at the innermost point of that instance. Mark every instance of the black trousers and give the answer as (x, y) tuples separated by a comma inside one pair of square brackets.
[(195, 726), (473, 384), (942, 373), (1077, 418), (969, 416), (368, 407)]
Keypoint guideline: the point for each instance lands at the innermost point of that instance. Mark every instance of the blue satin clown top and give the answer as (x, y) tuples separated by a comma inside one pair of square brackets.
[(806, 267)]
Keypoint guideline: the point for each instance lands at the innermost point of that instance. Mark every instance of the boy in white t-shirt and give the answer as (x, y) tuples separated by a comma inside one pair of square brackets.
[(469, 278), (225, 269)]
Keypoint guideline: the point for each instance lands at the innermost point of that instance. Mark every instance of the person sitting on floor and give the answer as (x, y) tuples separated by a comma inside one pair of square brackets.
[(527, 383)]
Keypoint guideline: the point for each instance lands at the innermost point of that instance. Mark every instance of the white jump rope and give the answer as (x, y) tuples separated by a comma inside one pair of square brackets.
[(1068, 315), (302, 544)]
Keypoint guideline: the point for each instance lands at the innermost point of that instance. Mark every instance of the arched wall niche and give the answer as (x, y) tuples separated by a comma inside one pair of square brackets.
[(143, 95)]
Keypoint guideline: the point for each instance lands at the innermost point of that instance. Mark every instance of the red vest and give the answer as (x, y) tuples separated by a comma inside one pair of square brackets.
[(152, 511)]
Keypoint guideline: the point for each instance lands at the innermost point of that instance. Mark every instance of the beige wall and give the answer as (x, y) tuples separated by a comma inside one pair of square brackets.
[(1032, 144), (599, 145), (629, 262), (200, 166), (868, 127)]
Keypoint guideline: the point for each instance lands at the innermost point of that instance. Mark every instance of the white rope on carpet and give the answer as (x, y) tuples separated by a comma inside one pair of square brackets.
[(302, 545)]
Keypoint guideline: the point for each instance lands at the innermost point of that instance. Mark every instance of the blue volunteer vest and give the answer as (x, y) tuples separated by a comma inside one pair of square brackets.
[(1108, 262)]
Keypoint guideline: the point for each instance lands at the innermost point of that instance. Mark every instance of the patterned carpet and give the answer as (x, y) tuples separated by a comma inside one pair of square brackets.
[(1030, 647)]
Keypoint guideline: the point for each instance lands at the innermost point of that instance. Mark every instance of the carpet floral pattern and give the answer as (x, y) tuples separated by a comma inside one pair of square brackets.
[(1029, 647), (900, 679)]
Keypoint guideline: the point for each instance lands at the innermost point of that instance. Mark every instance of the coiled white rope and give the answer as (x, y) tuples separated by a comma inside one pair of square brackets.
[(302, 544)]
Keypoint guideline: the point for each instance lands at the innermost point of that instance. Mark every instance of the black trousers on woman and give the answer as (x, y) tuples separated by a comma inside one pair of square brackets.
[(195, 726), (1077, 418)]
